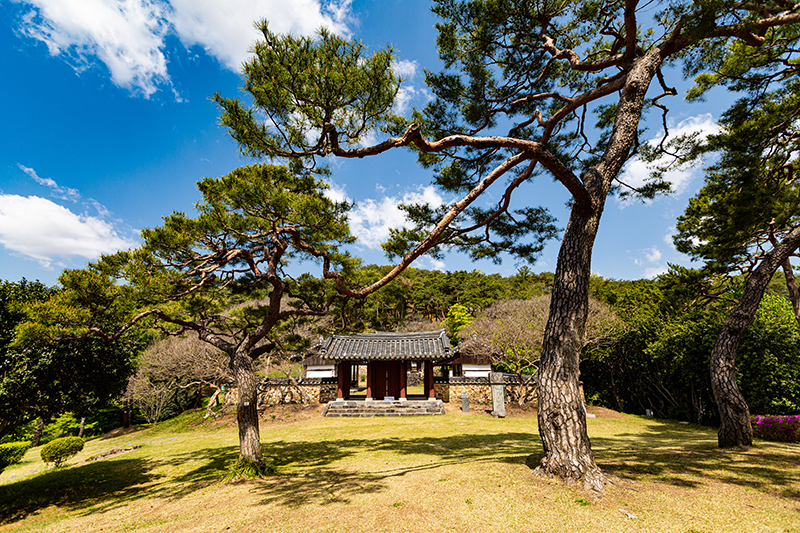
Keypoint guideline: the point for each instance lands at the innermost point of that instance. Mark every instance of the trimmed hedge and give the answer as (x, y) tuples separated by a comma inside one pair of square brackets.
[(12, 452), (59, 450)]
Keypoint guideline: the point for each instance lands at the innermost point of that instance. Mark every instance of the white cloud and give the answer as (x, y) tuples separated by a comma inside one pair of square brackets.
[(405, 68), (651, 262), (655, 271), (371, 219), (436, 264), (636, 171), (45, 231), (408, 93), (128, 36), (335, 192), (225, 29), (63, 193), (653, 254)]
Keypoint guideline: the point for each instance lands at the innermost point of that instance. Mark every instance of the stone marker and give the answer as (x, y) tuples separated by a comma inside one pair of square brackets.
[(498, 383)]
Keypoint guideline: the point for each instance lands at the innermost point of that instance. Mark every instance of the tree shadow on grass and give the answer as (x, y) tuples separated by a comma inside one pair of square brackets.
[(307, 474), (74, 487), (104, 485), (687, 456)]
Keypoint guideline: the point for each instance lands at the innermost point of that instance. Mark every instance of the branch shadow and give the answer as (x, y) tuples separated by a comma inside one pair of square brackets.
[(685, 456), (307, 473), (104, 485), (74, 487)]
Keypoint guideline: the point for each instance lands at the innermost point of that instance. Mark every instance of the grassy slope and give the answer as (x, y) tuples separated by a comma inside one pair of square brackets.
[(460, 472)]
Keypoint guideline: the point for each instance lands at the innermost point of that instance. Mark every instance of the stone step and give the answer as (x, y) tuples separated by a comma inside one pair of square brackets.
[(339, 408)]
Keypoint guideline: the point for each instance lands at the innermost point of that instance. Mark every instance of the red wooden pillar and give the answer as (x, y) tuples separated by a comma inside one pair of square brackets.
[(343, 390), (403, 379), (429, 380), (370, 377)]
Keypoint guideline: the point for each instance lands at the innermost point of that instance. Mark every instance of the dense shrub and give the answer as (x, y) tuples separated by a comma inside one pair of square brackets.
[(778, 428), (59, 450), (12, 452)]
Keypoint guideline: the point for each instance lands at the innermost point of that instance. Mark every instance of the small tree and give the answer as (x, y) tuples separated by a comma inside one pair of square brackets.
[(250, 225), (745, 218), (458, 318), (180, 364)]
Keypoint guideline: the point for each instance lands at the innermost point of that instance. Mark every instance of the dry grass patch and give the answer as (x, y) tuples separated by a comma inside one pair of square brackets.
[(458, 472)]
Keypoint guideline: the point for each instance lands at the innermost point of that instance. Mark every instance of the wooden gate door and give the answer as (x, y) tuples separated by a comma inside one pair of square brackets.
[(385, 379)]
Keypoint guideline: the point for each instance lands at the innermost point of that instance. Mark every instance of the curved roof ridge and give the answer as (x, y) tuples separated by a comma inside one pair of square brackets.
[(388, 345)]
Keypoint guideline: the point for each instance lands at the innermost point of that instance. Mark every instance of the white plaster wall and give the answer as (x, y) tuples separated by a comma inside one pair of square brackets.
[(476, 371), (321, 371)]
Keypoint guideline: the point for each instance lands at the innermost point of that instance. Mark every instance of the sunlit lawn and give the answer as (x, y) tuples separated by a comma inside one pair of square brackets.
[(458, 472)]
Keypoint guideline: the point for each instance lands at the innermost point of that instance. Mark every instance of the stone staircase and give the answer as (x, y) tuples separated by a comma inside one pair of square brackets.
[(362, 408)]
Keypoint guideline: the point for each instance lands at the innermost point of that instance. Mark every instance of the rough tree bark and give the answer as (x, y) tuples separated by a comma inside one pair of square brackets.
[(791, 286), (735, 429), (37, 433), (127, 408), (247, 409), (562, 416)]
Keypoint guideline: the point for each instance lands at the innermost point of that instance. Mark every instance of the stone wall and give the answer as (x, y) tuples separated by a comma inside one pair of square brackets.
[(383, 408), (478, 389), (274, 391), (449, 389)]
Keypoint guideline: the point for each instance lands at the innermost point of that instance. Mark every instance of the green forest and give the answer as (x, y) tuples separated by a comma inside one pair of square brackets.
[(264, 265), (650, 349)]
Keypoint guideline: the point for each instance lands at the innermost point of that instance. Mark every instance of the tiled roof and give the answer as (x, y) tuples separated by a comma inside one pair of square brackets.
[(428, 345)]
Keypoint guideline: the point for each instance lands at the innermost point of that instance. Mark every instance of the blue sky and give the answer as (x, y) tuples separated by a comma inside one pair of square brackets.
[(107, 126)]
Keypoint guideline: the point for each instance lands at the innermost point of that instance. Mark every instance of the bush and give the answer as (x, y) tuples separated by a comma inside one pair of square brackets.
[(778, 428), (59, 450), (12, 452)]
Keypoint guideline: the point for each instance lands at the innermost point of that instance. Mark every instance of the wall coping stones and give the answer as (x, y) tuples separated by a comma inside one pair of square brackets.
[(339, 408)]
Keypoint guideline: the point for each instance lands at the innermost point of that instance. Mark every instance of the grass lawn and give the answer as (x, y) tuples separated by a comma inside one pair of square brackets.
[(464, 472)]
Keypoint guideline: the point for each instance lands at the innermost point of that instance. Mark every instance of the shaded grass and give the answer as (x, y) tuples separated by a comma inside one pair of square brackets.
[(460, 472)]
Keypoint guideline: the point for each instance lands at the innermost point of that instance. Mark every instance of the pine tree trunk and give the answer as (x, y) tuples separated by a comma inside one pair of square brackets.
[(734, 415), (562, 416), (791, 286), (247, 409), (734, 428), (82, 427), (127, 408), (37, 433)]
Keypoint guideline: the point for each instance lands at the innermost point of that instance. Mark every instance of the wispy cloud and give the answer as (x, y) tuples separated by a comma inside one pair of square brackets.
[(128, 36), (650, 261), (637, 172), (62, 193)]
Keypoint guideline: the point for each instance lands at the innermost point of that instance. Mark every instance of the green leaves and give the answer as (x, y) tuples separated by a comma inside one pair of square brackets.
[(751, 195), (309, 95)]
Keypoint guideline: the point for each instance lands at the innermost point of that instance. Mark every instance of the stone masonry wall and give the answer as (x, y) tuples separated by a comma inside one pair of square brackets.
[(479, 389), (277, 391)]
